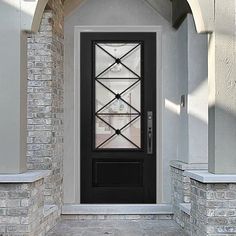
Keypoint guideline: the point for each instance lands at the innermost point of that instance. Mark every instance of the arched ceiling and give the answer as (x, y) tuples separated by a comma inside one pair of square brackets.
[(163, 7), (70, 5), (173, 11)]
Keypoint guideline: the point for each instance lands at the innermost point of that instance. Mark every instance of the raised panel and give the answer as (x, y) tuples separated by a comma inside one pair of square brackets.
[(117, 173)]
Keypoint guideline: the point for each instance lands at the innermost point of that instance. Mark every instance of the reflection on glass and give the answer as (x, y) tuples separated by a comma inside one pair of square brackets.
[(118, 95), (131, 132), (118, 142), (127, 66), (128, 88)]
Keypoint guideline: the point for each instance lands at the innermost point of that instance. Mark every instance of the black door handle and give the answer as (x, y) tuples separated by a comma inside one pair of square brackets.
[(149, 133)]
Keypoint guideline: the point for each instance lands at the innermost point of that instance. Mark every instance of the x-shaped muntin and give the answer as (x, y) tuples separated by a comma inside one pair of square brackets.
[(117, 96)]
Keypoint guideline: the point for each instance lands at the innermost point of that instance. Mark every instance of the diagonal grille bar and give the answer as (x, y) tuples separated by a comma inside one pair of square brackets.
[(129, 69), (106, 69), (105, 51), (130, 122), (118, 60), (106, 105), (105, 86), (100, 145), (132, 85), (130, 141), (130, 105), (129, 51), (105, 122), (115, 95), (136, 112)]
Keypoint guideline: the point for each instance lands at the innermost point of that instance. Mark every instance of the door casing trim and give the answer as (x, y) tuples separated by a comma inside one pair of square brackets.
[(159, 102)]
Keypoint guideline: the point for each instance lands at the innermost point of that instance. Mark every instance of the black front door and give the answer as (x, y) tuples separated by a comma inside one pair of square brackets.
[(118, 117)]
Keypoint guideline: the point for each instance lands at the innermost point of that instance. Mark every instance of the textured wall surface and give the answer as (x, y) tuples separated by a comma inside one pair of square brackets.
[(23, 211), (213, 210), (45, 100), (32, 209), (192, 82), (180, 186), (119, 13), (21, 208), (213, 206)]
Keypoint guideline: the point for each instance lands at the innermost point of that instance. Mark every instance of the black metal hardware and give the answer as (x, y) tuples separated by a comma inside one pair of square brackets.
[(118, 96), (149, 133), (117, 131), (118, 61)]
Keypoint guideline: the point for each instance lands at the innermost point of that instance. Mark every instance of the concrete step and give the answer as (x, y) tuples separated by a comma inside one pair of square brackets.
[(117, 209)]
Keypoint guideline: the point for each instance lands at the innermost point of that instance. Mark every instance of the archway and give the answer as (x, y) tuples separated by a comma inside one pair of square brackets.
[(203, 12), (84, 14)]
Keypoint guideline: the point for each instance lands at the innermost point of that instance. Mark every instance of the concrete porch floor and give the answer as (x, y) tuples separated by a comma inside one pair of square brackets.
[(116, 228)]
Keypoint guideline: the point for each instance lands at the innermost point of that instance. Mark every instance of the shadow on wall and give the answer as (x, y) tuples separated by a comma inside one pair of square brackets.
[(191, 81), (192, 141)]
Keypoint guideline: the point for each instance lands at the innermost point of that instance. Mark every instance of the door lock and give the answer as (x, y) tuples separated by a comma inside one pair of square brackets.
[(149, 133)]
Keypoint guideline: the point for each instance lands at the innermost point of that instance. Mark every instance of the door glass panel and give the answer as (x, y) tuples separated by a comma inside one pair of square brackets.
[(129, 89), (132, 132), (103, 96), (132, 96), (103, 132), (118, 95), (117, 107), (115, 60), (117, 71), (118, 142), (118, 121)]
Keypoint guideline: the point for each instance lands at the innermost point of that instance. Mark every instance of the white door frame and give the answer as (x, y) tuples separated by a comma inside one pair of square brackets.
[(77, 31)]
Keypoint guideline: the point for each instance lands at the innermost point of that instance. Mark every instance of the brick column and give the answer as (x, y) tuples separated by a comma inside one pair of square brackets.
[(21, 208), (213, 209), (181, 191), (45, 100)]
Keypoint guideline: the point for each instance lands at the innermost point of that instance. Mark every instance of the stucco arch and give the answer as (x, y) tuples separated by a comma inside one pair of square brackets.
[(41, 4), (32, 12), (203, 13)]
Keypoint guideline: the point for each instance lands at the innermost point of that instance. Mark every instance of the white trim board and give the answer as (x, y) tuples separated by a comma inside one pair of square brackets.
[(77, 31), (117, 209)]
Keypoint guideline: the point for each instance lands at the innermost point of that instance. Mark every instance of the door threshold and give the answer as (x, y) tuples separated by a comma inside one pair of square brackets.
[(117, 209)]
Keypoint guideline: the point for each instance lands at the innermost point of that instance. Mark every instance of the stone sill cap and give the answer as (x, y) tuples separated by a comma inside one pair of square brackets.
[(26, 177), (185, 166), (205, 177)]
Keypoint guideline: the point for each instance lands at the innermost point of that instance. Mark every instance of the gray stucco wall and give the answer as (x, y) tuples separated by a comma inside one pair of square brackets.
[(13, 86), (182, 74), (192, 82), (173, 46), (119, 13)]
